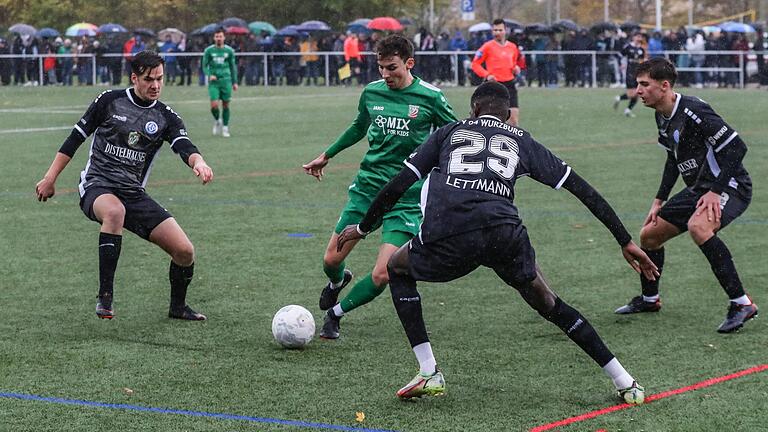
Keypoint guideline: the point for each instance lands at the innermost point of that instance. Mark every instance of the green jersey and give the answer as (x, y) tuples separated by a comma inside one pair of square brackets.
[(220, 62), (395, 122)]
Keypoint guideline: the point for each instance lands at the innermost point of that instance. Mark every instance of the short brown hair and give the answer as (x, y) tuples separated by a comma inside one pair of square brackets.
[(395, 45), (659, 69)]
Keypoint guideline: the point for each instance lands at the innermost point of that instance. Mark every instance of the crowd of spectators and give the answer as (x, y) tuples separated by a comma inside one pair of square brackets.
[(74, 65)]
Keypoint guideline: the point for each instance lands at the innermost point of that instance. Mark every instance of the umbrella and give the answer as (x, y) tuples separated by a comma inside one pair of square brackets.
[(233, 22), (735, 27), (259, 26), (604, 26), (288, 31), (711, 29), (143, 31), (480, 27), (81, 29), (512, 24), (313, 26), (629, 26), (112, 28), (405, 21), (566, 24), (360, 21), (47, 32), (205, 30), (538, 28), (385, 24), (23, 29), (175, 34), (235, 30), (357, 28)]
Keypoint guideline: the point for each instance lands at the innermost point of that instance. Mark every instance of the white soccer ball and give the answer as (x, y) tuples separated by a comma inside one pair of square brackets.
[(293, 326)]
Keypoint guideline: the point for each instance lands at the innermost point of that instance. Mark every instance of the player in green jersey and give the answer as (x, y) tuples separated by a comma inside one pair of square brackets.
[(397, 114), (220, 67)]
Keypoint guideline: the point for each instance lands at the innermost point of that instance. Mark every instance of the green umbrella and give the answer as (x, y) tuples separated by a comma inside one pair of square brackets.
[(257, 27)]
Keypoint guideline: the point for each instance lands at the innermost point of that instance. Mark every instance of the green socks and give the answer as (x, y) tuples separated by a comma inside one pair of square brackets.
[(225, 116), (335, 274), (215, 112), (363, 292)]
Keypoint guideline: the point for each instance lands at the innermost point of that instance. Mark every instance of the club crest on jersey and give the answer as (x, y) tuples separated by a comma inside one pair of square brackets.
[(676, 136), (413, 111), (151, 127), (133, 139)]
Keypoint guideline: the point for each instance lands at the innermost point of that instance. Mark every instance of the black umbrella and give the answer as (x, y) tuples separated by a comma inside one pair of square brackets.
[(566, 24), (603, 26), (538, 28), (142, 31), (313, 26), (47, 32), (629, 26), (512, 24), (234, 22), (205, 30)]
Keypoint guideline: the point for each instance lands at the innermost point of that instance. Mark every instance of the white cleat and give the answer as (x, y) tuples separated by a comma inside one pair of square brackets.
[(217, 127), (634, 395), (225, 131)]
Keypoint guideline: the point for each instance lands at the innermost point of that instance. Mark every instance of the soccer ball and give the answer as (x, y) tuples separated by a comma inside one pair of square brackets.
[(293, 326)]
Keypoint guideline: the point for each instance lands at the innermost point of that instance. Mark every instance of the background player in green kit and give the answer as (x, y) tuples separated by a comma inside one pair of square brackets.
[(397, 113), (220, 67)]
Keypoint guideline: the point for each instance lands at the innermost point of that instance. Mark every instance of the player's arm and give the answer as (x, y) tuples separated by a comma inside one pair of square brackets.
[(668, 179), (545, 167), (176, 134), (233, 69), (603, 211), (477, 62), (416, 167), (729, 151), (354, 133), (87, 124)]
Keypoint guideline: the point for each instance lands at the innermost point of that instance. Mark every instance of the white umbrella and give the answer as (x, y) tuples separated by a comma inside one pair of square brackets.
[(176, 34), (479, 27)]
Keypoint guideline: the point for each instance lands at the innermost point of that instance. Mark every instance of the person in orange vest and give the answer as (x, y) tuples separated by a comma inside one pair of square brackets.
[(352, 54), (503, 62)]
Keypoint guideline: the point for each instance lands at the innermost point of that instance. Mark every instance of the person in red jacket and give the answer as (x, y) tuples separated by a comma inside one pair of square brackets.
[(503, 62)]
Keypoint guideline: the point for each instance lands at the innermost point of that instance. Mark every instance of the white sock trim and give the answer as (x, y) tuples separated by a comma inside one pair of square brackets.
[(651, 299), (621, 378), (337, 310), (427, 362), (743, 300)]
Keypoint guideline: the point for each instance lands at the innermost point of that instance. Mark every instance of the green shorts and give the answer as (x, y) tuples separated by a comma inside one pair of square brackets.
[(221, 89), (397, 227)]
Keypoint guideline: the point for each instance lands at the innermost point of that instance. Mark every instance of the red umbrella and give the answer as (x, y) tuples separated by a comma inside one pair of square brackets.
[(385, 24), (237, 30)]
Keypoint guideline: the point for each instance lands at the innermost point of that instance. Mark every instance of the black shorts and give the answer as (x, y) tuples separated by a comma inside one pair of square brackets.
[(632, 77), (504, 248), (142, 213), (679, 209), (510, 85)]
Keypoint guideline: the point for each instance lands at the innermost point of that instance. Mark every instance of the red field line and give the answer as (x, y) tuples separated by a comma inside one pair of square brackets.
[(651, 398)]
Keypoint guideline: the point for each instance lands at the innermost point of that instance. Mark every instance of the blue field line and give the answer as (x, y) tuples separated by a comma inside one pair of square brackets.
[(221, 416)]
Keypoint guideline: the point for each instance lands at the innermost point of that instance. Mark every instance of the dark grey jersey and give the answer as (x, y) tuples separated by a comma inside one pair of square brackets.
[(471, 168), (127, 136), (706, 150)]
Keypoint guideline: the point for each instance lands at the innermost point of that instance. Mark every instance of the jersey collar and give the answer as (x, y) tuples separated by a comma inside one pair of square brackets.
[(491, 117), (678, 96), (130, 97)]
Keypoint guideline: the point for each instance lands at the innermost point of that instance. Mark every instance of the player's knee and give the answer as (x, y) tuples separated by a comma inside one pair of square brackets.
[(113, 216), (649, 238), (331, 259), (184, 255), (700, 230)]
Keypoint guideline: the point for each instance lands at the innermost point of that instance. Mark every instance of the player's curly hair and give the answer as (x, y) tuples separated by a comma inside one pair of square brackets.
[(659, 69), (395, 45), (144, 61)]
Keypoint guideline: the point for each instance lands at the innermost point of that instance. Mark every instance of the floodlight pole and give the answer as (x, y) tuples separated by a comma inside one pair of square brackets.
[(432, 16), (607, 16), (658, 15), (690, 12)]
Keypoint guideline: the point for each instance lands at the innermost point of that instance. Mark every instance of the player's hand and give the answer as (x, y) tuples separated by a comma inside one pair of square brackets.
[(639, 261), (234, 87), (315, 168), (212, 78), (45, 189), (710, 203), (202, 170), (490, 78), (350, 233), (653, 213), (517, 70)]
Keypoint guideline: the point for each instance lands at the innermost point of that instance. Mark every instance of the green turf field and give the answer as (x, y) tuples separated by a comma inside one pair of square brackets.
[(506, 368)]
